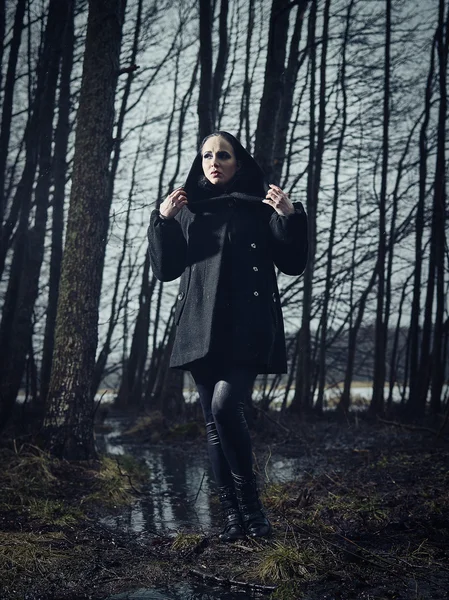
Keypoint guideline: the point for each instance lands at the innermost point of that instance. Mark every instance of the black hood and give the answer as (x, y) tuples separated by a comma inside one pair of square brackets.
[(249, 180)]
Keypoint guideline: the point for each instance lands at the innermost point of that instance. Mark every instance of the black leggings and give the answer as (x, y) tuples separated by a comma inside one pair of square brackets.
[(222, 394)]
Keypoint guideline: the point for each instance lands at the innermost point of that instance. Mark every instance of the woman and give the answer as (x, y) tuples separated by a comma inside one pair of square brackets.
[(222, 233)]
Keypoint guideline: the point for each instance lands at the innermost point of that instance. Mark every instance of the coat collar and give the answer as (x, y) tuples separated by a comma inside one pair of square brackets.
[(221, 201)]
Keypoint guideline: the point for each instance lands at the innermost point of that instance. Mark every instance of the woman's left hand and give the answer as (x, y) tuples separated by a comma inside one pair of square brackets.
[(279, 200)]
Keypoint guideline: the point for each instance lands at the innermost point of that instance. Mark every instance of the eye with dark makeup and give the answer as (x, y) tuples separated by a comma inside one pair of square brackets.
[(223, 155)]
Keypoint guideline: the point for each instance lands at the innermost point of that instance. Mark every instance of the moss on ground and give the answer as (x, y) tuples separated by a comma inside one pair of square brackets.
[(47, 504)]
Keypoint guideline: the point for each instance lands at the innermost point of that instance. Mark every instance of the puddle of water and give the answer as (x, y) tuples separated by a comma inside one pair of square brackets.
[(179, 495), (179, 498), (185, 591)]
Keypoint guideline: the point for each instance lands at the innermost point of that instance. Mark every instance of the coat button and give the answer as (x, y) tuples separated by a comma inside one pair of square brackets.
[(180, 295), (256, 293), (253, 245), (255, 269)]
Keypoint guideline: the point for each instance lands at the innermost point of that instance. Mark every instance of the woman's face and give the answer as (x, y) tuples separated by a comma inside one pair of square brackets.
[(219, 161)]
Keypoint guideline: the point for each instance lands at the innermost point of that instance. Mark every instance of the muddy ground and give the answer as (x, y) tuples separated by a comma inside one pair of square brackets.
[(368, 519)]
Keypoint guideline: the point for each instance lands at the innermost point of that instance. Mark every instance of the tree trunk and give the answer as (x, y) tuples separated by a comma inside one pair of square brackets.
[(286, 106), (171, 392), (345, 398), (414, 401), (7, 102), (222, 59), (6, 228), (302, 400), (244, 121), (23, 285), (430, 360), (440, 218), (68, 426), (59, 178), (206, 84), (104, 353), (377, 402), (391, 246), (332, 230), (273, 89), (2, 37), (291, 375), (130, 391), (394, 351)]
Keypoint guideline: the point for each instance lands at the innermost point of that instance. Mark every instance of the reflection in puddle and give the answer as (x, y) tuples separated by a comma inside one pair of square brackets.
[(179, 495), (179, 498), (184, 591)]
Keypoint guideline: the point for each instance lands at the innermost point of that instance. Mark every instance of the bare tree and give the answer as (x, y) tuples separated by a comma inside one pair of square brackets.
[(5, 132), (23, 284), (273, 86), (377, 402), (302, 400), (68, 427), (333, 224), (293, 66), (439, 220), (206, 80), (416, 403), (59, 178), (222, 59)]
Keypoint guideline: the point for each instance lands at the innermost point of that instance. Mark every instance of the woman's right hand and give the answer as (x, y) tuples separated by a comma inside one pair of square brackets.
[(173, 203)]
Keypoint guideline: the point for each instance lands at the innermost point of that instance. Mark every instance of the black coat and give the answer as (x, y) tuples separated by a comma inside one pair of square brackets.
[(237, 232)]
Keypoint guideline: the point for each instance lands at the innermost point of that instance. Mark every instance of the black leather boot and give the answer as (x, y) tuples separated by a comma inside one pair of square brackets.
[(233, 529), (255, 522)]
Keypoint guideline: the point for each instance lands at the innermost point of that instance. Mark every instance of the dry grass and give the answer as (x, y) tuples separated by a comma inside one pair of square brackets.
[(283, 562), (277, 496), (186, 541), (26, 555)]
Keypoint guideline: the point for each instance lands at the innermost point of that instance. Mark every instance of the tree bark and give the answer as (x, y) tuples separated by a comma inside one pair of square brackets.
[(394, 360), (302, 400), (8, 100), (244, 121), (59, 178), (414, 406), (130, 391), (377, 401), (427, 366), (206, 84), (23, 285), (105, 351), (332, 230), (439, 220), (2, 37), (5, 131), (286, 106), (171, 392), (222, 59), (273, 88), (68, 427)]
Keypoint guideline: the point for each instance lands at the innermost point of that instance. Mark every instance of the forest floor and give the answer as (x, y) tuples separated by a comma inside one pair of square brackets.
[(368, 520)]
